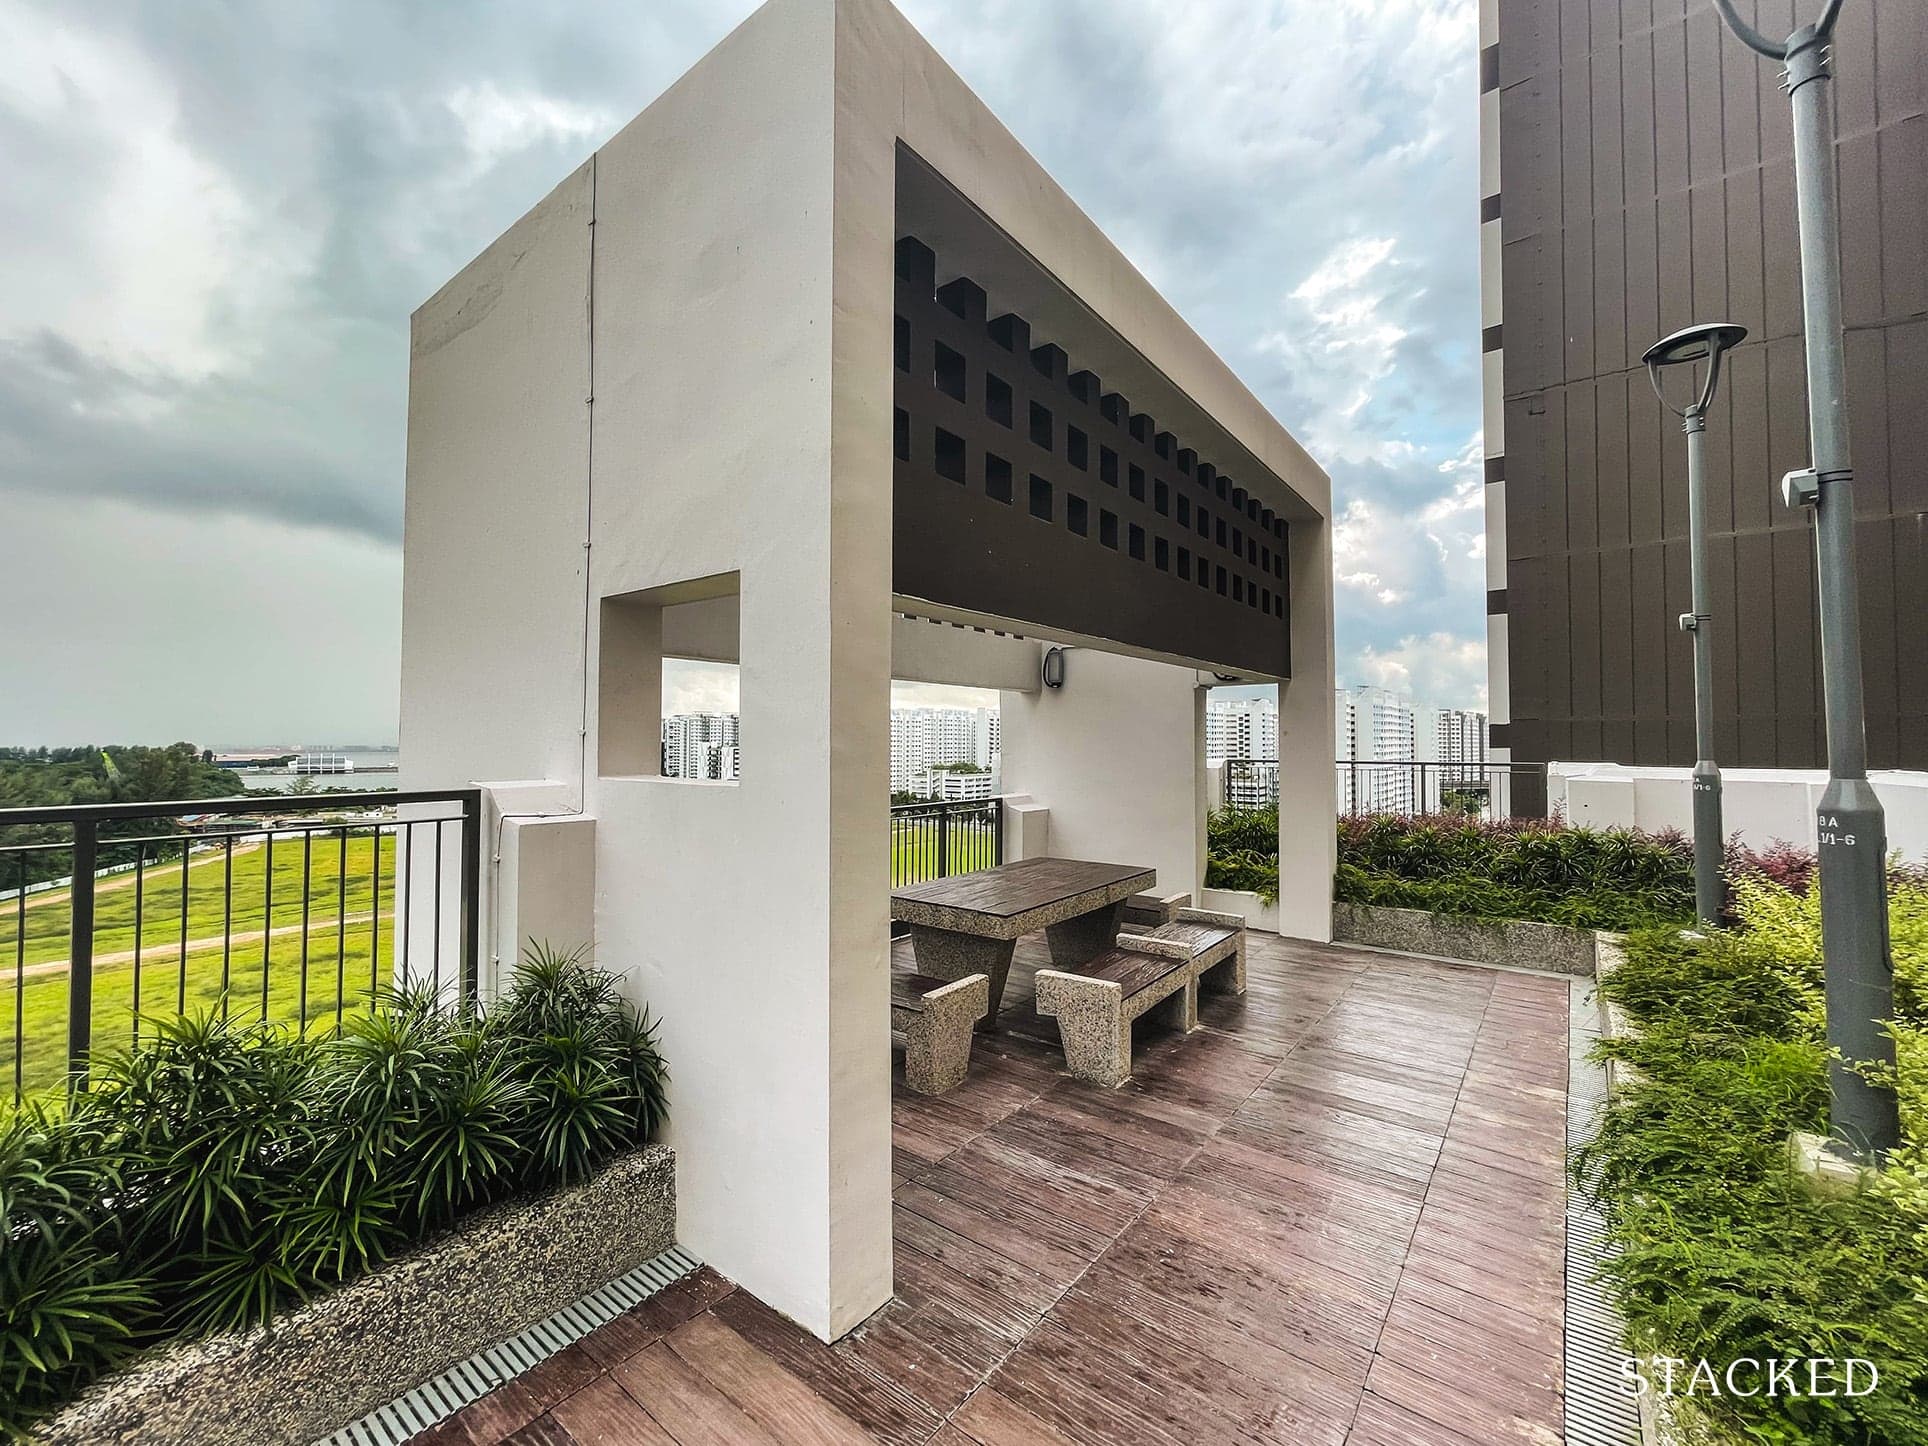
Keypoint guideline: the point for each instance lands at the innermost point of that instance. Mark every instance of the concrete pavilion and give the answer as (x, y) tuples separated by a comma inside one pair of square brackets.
[(813, 369)]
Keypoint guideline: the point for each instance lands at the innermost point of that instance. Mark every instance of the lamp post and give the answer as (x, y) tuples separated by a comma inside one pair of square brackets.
[(1849, 823), (1705, 342)]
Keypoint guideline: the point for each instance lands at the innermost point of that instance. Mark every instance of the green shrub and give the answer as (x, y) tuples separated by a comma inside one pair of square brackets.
[(223, 1171), (1447, 864), (1721, 1252)]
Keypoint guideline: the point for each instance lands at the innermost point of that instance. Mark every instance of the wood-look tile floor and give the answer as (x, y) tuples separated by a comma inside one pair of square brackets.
[(1334, 1214)]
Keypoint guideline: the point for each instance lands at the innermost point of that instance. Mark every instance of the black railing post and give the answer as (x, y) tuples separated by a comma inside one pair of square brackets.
[(80, 951), (997, 832), (943, 840), (471, 872)]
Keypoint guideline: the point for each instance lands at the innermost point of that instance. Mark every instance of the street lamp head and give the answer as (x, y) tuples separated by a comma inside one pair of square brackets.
[(1704, 342)]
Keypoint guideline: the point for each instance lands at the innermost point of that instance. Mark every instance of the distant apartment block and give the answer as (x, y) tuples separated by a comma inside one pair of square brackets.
[(700, 745), (1377, 734), (1636, 176), (925, 738), (1241, 728), (1455, 738)]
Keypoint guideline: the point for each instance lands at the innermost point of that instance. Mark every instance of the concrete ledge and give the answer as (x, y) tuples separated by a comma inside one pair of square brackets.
[(341, 1355), (1247, 905), (1509, 943)]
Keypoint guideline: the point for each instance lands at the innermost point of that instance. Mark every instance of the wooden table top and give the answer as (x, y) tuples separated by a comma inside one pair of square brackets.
[(1007, 893)]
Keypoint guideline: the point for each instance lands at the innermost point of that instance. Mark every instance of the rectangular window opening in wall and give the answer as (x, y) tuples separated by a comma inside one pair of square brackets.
[(1111, 407), (1204, 523), (1238, 542), (1184, 512), (1278, 604), (668, 681), (1108, 466), (1077, 448), (1204, 574), (1221, 582), (1238, 588), (1218, 531), (1040, 498), (997, 478), (1161, 554), (1041, 435), (1223, 487), (903, 343), (1076, 515), (1161, 498), (948, 455), (1137, 541), (900, 433), (997, 399), (1136, 483), (947, 371), (1163, 445), (1184, 564), (1108, 529)]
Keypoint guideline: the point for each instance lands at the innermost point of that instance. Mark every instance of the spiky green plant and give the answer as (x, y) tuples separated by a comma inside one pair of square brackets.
[(224, 1170)]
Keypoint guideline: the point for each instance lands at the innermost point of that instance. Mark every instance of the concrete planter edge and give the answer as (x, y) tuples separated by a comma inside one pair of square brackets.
[(340, 1355), (1511, 943), (1257, 913)]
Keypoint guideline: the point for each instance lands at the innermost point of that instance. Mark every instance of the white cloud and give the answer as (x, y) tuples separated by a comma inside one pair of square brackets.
[(1440, 668)]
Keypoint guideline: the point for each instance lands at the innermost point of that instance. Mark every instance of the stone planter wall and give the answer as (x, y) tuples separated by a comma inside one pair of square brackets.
[(1255, 911), (1512, 943), (339, 1356)]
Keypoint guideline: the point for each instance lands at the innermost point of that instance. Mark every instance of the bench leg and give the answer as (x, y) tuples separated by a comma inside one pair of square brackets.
[(946, 954), (937, 1044), (1227, 976), (1086, 937), (1179, 1010), (1091, 1024)]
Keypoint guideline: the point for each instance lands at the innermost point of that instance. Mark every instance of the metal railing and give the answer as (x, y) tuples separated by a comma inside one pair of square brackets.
[(1405, 786), (173, 906), (936, 840)]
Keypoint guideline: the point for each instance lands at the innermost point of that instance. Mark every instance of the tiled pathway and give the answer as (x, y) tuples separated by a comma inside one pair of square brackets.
[(1333, 1215)]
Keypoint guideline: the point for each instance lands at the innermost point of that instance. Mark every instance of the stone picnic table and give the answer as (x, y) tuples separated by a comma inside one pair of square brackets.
[(970, 923)]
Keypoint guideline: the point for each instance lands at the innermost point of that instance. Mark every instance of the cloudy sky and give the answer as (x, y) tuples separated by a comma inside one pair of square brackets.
[(218, 217)]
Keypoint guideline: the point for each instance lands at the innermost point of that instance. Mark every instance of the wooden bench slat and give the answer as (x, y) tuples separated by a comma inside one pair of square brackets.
[(1199, 937), (1131, 971), (907, 990)]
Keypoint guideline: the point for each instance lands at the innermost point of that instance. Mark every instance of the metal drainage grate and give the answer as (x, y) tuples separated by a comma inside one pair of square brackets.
[(470, 1380), (1598, 1410)]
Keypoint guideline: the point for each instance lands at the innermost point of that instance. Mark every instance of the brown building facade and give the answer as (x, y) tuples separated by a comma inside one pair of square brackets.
[(1637, 176)]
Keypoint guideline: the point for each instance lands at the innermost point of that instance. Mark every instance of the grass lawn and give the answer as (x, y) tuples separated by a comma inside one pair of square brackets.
[(970, 844), (265, 925)]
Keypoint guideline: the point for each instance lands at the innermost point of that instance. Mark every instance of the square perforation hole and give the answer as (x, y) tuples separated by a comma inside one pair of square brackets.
[(1077, 448), (1137, 542), (947, 455), (1136, 483), (1108, 529), (1108, 466), (1161, 554), (903, 343), (997, 478), (1076, 513), (997, 399), (900, 433), (1041, 434), (1040, 498), (947, 371)]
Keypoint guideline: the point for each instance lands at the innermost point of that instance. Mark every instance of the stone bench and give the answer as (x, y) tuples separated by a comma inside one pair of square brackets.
[(1095, 1005), (937, 1019), (1149, 911), (1214, 941)]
